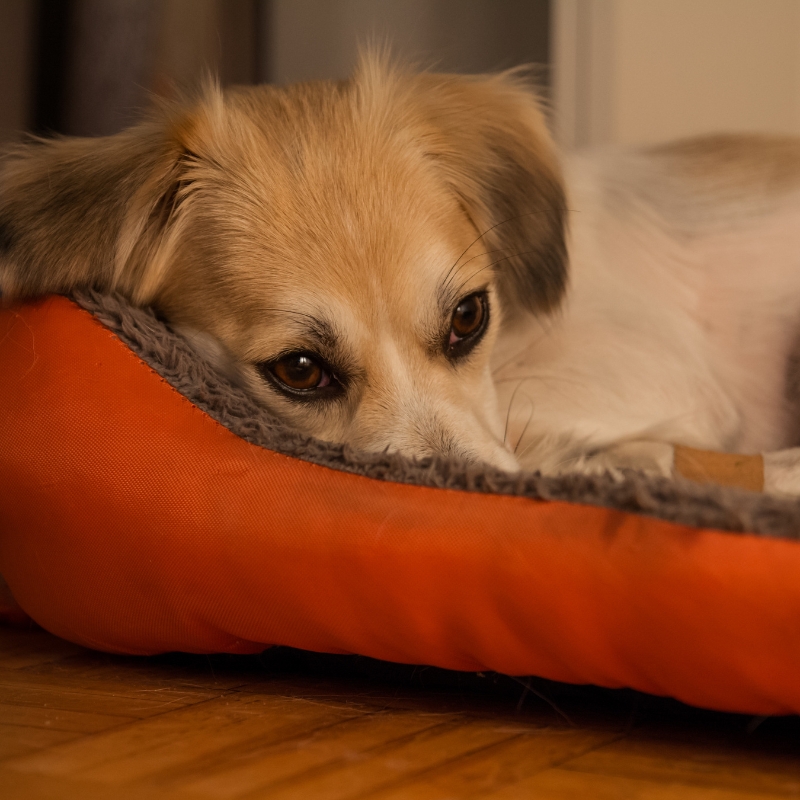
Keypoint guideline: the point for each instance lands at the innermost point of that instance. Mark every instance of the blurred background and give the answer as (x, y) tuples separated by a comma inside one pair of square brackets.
[(614, 71)]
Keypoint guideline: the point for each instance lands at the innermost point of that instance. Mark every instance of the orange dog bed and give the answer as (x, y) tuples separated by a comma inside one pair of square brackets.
[(146, 507)]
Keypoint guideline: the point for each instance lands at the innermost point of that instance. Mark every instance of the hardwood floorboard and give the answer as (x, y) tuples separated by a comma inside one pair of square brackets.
[(347, 742), (697, 763), (26, 786), (286, 724), (561, 784), (17, 740), (182, 738), (19, 691), (395, 760), (56, 719), (486, 772)]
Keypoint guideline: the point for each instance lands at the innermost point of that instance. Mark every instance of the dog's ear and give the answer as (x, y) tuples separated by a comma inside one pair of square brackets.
[(489, 136), (101, 213)]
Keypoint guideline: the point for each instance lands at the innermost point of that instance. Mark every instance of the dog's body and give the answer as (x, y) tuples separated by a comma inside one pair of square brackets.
[(384, 262), (681, 320)]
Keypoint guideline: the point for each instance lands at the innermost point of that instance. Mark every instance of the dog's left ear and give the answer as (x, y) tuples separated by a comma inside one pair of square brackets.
[(489, 136), (104, 213)]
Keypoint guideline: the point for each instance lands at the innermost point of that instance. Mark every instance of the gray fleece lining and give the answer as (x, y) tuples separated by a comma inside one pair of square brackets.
[(173, 358)]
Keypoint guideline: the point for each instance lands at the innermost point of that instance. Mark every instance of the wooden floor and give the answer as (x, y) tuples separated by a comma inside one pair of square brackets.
[(80, 724)]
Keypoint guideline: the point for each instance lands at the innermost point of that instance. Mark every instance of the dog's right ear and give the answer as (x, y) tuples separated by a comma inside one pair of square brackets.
[(488, 136), (102, 213)]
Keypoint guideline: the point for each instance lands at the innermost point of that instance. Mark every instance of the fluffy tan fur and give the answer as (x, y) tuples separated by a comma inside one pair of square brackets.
[(348, 219)]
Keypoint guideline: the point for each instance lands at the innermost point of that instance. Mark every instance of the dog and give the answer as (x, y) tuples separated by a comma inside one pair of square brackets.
[(403, 261)]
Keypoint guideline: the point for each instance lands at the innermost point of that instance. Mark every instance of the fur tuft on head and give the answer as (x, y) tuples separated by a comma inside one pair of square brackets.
[(109, 212)]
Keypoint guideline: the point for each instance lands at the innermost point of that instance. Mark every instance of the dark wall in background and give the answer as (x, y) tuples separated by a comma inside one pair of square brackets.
[(16, 65), (320, 38), (88, 67), (100, 60)]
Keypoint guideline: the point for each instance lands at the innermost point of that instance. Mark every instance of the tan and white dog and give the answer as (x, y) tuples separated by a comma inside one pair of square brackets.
[(401, 261)]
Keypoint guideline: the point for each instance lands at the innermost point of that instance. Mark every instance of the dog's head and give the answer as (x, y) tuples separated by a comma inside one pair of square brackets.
[(352, 247)]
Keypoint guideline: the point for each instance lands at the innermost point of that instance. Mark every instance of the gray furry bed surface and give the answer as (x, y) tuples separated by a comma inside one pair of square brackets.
[(173, 358)]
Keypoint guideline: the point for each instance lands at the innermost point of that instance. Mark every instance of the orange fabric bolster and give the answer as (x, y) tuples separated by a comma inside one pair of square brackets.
[(130, 521)]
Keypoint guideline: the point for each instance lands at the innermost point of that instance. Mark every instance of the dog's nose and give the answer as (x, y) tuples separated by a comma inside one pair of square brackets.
[(424, 425), (476, 447), (496, 456), (437, 441)]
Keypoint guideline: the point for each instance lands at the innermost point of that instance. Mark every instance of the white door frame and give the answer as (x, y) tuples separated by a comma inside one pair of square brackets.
[(582, 71)]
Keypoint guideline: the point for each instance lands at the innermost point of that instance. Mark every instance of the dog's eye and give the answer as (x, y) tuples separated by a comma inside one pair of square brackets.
[(467, 317), (298, 373), (467, 324)]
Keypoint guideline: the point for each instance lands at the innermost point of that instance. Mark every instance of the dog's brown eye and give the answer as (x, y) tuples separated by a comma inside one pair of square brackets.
[(467, 318), (300, 372), (467, 324)]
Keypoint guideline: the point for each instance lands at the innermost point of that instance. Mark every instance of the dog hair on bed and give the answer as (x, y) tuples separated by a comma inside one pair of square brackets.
[(383, 262)]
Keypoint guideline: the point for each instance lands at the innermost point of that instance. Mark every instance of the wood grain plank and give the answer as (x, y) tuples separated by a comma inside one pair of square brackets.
[(137, 705), (59, 720), (484, 772), (26, 786), (561, 784), (102, 681), (99, 674), (392, 762), (183, 736), (74, 723), (17, 740), (696, 763), (345, 742)]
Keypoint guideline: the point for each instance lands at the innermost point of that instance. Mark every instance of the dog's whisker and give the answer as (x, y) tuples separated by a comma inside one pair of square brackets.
[(489, 266), (497, 225), (525, 429), (525, 450), (508, 413), (453, 271), (451, 274), (504, 222)]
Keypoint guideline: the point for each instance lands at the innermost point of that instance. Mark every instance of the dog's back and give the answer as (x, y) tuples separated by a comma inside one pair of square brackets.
[(683, 307)]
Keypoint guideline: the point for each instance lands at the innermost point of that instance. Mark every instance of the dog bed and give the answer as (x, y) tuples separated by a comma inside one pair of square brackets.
[(148, 505)]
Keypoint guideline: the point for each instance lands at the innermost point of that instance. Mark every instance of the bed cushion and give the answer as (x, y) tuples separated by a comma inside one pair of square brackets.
[(148, 505)]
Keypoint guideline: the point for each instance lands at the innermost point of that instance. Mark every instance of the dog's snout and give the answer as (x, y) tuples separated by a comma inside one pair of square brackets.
[(418, 431)]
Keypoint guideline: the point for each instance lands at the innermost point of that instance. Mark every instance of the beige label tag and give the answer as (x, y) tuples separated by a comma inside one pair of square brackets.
[(726, 469)]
